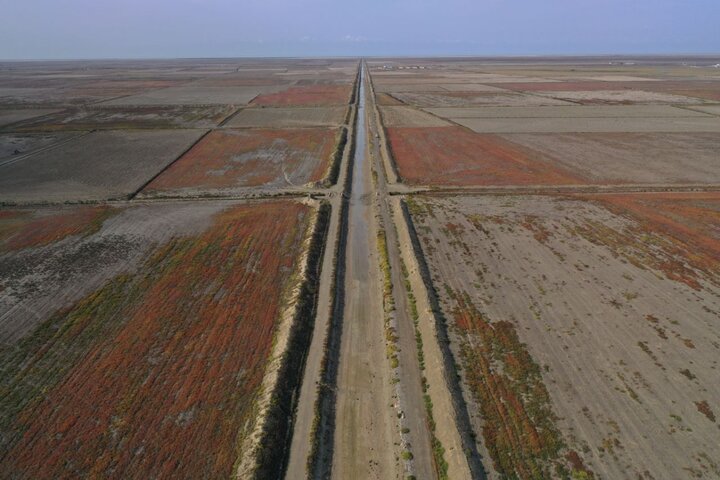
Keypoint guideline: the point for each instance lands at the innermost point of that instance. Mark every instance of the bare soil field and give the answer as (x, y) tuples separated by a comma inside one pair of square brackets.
[(456, 156), (16, 145), (96, 166), (660, 158), (306, 96), (585, 85), (580, 125), (292, 117), (128, 118), (710, 109), (230, 159), (409, 117), (435, 87), (574, 111), (150, 362), (408, 88), (193, 95), (71, 92), (11, 116), (459, 99), (584, 328), (621, 97)]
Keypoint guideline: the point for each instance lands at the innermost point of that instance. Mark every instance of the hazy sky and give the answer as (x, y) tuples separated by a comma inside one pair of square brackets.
[(217, 28)]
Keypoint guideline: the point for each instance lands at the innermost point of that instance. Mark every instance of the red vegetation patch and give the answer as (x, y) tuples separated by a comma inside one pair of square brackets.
[(247, 158), (172, 361), (24, 229), (689, 224), (457, 156), (705, 409), (308, 95), (518, 421)]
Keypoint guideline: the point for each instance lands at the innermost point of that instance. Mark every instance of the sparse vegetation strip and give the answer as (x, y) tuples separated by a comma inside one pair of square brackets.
[(449, 364), (319, 461)]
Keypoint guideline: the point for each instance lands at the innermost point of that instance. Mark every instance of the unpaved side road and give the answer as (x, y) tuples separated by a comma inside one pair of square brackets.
[(366, 436), (444, 410), (410, 386)]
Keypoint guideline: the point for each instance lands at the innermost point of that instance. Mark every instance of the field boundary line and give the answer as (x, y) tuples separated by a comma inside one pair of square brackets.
[(8, 127), (557, 190), (142, 187), (318, 463), (231, 116)]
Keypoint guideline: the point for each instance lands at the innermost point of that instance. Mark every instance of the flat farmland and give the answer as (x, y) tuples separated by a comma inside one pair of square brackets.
[(193, 95), (436, 87), (386, 99), (582, 125), (459, 99), (69, 90), (307, 96), (11, 116), (96, 166), (572, 111), (709, 109), (128, 118), (616, 158), (292, 117), (453, 156), (402, 116), (698, 89), (226, 161), (584, 329), (621, 97), (456, 156), (133, 344)]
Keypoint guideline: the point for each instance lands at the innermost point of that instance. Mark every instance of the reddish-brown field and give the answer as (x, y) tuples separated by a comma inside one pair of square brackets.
[(689, 221), (519, 424), (456, 156), (26, 229), (306, 95), (155, 374), (227, 159), (385, 99)]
